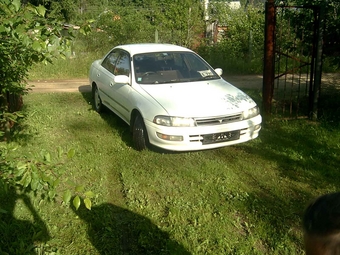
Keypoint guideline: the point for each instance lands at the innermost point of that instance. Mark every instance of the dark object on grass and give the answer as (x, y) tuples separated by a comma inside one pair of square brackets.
[(321, 225)]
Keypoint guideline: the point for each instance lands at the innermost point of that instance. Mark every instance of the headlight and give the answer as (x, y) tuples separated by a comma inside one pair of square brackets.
[(174, 121), (252, 112)]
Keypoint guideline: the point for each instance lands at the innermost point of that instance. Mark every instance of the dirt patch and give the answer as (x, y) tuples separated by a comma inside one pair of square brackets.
[(82, 85), (240, 81), (49, 86)]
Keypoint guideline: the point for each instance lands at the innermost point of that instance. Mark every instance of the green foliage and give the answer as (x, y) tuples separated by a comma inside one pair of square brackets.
[(122, 22), (240, 50), (41, 175), (65, 9), (330, 25), (26, 37), (58, 9), (178, 22), (123, 25)]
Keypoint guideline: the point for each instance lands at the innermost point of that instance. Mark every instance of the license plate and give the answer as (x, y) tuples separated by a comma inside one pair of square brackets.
[(221, 137)]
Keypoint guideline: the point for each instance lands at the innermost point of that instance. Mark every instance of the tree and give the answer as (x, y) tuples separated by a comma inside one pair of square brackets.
[(128, 21), (65, 10), (27, 36), (241, 43), (179, 22)]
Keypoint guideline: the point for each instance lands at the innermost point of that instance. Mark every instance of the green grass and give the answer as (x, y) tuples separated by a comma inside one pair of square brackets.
[(243, 199), (76, 67)]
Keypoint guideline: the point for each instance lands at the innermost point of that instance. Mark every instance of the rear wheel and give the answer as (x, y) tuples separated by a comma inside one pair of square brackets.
[(98, 106), (139, 134)]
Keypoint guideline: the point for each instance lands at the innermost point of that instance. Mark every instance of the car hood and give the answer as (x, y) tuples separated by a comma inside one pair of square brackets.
[(200, 99)]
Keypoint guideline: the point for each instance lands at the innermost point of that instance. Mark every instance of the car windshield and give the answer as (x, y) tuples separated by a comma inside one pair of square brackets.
[(171, 67)]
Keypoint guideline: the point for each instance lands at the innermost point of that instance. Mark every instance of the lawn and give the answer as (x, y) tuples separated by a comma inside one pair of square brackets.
[(243, 199)]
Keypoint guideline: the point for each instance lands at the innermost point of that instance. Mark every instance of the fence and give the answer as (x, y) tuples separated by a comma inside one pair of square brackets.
[(292, 63)]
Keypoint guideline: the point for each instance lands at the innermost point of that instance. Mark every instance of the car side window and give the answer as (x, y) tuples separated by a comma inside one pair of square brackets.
[(123, 64), (109, 63)]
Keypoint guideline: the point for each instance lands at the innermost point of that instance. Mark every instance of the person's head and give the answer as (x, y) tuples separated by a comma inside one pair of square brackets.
[(321, 224)]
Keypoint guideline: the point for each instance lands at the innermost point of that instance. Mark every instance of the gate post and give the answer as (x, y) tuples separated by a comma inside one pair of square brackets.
[(318, 63), (269, 58)]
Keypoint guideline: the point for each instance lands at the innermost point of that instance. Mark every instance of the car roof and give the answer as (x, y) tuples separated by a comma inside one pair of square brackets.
[(151, 47)]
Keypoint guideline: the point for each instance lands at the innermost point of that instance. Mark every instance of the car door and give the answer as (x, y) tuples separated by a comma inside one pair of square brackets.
[(105, 77), (122, 92)]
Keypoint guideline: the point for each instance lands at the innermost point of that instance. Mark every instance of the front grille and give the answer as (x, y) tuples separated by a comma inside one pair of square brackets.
[(218, 120), (216, 137)]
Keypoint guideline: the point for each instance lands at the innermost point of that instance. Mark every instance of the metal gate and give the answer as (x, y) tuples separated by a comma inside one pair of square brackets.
[(292, 63)]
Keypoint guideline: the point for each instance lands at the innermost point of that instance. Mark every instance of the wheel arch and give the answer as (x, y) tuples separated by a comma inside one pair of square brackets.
[(134, 113), (93, 86)]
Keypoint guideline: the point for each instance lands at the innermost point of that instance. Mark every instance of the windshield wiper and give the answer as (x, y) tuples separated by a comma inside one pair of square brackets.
[(170, 81), (208, 77)]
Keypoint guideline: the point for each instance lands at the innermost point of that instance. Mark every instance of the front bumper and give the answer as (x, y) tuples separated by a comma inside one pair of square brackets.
[(196, 138)]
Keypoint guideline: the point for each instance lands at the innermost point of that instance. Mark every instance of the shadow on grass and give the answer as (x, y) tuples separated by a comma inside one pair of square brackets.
[(113, 121), (19, 132), (303, 153), (306, 158), (19, 236), (329, 108), (114, 230)]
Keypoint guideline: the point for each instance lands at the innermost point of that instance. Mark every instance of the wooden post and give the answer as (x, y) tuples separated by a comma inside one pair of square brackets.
[(269, 58)]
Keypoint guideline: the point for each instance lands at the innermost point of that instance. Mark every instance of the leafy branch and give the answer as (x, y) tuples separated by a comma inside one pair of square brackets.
[(42, 177)]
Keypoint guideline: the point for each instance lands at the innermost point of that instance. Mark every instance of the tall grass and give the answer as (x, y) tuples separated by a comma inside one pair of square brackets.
[(77, 62), (222, 56), (243, 199)]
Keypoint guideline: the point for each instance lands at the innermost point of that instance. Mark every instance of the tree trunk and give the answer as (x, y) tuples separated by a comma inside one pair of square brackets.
[(9, 103)]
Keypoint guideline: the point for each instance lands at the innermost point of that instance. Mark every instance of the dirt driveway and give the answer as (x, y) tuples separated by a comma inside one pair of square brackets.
[(49, 86), (82, 85), (240, 81)]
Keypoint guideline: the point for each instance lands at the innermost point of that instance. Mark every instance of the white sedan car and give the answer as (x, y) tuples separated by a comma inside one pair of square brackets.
[(173, 99)]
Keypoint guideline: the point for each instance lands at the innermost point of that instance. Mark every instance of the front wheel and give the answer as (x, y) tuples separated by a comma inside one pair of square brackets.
[(139, 134), (98, 106)]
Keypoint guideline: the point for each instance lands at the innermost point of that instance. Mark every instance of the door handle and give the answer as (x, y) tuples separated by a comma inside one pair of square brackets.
[(98, 74), (111, 84)]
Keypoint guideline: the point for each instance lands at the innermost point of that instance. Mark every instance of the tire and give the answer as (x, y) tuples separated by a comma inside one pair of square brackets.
[(97, 102), (139, 134)]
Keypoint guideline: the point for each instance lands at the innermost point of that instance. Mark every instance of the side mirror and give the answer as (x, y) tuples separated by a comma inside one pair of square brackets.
[(122, 79), (219, 71)]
